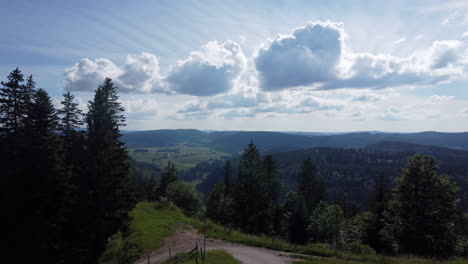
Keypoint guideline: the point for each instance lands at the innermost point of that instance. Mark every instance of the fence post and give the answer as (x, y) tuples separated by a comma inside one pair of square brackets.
[(204, 245), (148, 259)]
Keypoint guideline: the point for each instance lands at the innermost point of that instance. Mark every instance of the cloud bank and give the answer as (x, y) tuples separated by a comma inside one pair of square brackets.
[(316, 56), (207, 72)]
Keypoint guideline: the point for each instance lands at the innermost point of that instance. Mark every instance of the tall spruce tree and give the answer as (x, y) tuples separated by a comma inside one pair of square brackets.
[(298, 221), (16, 161), (12, 105), (167, 177), (253, 211), (111, 192), (227, 178), (379, 202), (76, 159), (48, 186), (272, 180), (71, 116), (310, 186), (28, 91)]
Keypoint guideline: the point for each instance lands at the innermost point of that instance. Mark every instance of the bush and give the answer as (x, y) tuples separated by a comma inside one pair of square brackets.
[(164, 203), (185, 196), (358, 248), (461, 247)]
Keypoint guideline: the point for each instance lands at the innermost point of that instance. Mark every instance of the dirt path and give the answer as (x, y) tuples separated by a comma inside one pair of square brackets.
[(184, 241)]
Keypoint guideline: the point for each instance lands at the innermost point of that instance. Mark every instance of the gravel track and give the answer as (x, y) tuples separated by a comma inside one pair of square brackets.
[(185, 240)]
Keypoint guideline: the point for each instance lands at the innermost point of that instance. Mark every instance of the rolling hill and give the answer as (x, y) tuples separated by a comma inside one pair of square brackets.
[(235, 141)]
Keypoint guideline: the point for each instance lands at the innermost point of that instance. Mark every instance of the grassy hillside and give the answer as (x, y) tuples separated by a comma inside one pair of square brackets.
[(212, 257), (150, 224)]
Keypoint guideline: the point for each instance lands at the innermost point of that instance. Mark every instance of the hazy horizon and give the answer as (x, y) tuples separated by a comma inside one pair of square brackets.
[(293, 131)]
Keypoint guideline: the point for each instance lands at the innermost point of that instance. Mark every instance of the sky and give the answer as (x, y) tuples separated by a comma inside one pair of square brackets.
[(324, 66)]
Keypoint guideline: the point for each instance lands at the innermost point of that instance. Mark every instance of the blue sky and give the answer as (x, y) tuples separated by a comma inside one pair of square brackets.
[(252, 65)]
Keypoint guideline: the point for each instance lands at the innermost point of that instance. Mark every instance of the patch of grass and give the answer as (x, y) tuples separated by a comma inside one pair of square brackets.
[(378, 259), (212, 257), (153, 221), (223, 233)]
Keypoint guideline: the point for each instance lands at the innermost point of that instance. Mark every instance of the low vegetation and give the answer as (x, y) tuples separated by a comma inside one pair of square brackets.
[(153, 221), (212, 257)]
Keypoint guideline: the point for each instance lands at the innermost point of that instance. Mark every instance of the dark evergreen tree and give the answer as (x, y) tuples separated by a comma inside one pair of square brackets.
[(215, 203), (272, 181), (110, 195), (50, 190), (17, 160), (12, 104), (251, 200), (310, 186), (71, 117), (77, 161), (380, 197), (227, 178), (168, 176), (298, 222), (27, 98)]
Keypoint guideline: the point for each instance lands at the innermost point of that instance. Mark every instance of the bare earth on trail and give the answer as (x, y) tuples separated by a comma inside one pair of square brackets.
[(184, 241)]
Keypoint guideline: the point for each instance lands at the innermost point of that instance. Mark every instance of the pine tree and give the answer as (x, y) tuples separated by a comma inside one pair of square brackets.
[(248, 192), (272, 181), (298, 222), (27, 98), (111, 194), (214, 204), (71, 116), (310, 186), (12, 105), (227, 178), (48, 182), (169, 176), (380, 197)]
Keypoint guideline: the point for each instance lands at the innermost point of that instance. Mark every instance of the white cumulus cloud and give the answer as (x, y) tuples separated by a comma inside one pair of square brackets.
[(309, 55), (140, 74), (438, 99), (316, 56), (209, 71), (87, 75)]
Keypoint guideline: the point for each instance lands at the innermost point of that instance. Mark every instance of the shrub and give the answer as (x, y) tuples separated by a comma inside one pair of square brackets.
[(358, 248), (185, 196)]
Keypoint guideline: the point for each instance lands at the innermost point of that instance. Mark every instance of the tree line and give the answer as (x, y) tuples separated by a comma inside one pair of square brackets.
[(65, 174), (421, 215)]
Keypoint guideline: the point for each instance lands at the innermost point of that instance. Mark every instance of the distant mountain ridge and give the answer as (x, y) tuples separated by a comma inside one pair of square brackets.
[(235, 141)]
